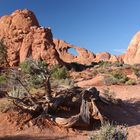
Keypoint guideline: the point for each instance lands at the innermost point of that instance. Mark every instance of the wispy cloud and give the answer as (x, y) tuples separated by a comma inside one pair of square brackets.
[(119, 50)]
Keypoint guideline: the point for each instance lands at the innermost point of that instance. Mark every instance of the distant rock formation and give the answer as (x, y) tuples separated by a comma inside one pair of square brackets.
[(105, 56), (24, 37), (84, 56), (132, 55)]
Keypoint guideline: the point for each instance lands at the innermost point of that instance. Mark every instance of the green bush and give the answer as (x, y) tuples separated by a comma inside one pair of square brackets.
[(58, 72), (35, 72), (110, 132), (26, 67), (121, 77)]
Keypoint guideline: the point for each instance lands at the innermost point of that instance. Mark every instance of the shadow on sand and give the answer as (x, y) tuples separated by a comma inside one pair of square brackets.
[(127, 112), (26, 137)]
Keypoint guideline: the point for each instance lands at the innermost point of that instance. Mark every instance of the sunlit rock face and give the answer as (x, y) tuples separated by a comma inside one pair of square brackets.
[(132, 55), (23, 37), (105, 56)]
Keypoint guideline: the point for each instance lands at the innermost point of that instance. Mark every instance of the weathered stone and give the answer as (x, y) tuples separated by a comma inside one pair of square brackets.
[(132, 55)]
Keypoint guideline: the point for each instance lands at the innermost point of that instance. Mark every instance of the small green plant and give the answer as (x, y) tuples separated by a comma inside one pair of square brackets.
[(111, 132), (58, 72)]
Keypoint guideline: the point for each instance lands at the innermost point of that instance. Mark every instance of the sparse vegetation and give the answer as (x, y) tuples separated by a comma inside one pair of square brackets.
[(118, 64), (109, 131), (58, 72), (104, 64), (110, 80), (136, 71), (116, 77), (2, 79), (3, 54)]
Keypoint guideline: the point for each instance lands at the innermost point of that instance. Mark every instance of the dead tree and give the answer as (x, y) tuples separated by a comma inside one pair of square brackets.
[(68, 108)]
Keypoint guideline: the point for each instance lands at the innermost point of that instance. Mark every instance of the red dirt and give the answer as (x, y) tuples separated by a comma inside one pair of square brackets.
[(128, 112)]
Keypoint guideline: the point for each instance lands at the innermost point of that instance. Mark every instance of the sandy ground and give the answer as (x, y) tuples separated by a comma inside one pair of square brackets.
[(128, 113)]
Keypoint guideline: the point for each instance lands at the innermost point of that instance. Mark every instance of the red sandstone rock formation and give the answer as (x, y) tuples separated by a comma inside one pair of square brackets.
[(132, 55), (105, 56), (84, 56), (24, 37)]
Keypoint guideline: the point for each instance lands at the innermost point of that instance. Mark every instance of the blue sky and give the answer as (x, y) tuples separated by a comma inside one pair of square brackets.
[(98, 25)]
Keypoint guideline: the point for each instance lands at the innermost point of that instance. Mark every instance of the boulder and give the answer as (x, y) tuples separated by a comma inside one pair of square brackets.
[(132, 55), (103, 56)]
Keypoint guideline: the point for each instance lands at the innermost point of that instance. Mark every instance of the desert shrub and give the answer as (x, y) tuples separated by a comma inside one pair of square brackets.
[(131, 82), (104, 64), (116, 77), (111, 132), (95, 72), (35, 72), (62, 83), (118, 64), (121, 77), (26, 67), (136, 71), (6, 106), (3, 54), (126, 66), (109, 80), (2, 79), (58, 72)]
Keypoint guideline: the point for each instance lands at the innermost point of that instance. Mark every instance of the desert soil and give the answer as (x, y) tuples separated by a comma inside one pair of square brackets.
[(128, 113)]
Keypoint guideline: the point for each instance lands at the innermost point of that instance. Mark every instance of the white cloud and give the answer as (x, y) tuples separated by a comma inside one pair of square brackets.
[(119, 50)]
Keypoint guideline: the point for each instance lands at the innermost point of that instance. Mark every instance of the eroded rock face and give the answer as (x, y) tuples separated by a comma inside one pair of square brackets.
[(132, 55), (24, 37), (84, 56), (105, 56)]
